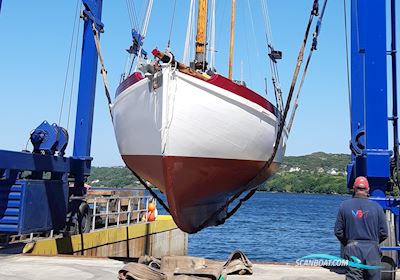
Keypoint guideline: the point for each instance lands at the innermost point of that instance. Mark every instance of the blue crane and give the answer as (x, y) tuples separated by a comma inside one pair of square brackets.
[(41, 200), (371, 155)]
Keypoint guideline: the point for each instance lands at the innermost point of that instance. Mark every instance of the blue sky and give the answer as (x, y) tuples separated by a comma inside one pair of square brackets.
[(35, 38)]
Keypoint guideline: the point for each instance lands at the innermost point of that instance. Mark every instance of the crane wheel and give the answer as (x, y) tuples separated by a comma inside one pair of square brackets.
[(84, 218)]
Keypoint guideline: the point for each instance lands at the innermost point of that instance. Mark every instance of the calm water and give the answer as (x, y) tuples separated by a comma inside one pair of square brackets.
[(274, 227)]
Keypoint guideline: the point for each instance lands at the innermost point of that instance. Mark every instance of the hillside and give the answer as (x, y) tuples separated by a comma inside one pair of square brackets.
[(314, 173), (112, 177), (333, 164)]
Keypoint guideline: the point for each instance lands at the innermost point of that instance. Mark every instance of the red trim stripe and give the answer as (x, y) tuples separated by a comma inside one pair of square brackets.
[(217, 80), (132, 79), (225, 83)]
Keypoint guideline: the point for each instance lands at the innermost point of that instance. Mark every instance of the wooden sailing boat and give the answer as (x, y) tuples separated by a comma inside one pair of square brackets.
[(198, 136)]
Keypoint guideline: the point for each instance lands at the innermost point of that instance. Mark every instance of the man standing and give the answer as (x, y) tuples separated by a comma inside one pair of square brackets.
[(360, 227)]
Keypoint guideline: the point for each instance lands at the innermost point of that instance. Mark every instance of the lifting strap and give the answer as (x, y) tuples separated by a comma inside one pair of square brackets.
[(253, 184), (107, 92), (313, 48), (103, 70)]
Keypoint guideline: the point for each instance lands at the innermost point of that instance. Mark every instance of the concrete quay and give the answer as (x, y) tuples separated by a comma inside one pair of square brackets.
[(23, 267)]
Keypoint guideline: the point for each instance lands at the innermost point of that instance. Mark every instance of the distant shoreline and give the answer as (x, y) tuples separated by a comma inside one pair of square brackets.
[(261, 191), (339, 194)]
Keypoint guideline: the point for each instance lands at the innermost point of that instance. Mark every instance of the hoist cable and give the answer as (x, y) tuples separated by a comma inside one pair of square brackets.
[(68, 62), (73, 75), (347, 57)]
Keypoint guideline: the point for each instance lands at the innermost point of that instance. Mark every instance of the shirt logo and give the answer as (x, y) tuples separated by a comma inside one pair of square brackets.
[(359, 214)]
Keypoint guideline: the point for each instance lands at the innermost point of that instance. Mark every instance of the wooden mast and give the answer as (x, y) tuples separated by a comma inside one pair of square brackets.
[(201, 36), (232, 39)]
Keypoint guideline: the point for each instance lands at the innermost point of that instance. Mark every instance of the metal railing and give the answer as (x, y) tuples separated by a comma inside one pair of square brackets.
[(115, 211)]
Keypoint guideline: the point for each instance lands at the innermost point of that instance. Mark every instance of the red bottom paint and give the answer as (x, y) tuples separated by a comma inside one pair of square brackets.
[(196, 187)]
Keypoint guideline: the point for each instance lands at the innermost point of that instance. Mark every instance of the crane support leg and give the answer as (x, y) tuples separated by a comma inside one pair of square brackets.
[(371, 156), (86, 93), (369, 116)]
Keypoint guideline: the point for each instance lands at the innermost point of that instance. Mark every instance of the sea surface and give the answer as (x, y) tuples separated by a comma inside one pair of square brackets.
[(274, 227)]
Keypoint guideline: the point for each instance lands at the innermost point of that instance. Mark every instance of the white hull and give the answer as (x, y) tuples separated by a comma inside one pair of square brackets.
[(197, 142), (192, 118)]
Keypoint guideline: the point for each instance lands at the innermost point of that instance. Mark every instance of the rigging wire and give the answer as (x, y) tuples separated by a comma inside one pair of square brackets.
[(253, 28), (134, 27), (272, 63), (211, 50), (144, 30), (189, 32), (129, 13), (146, 21), (193, 32), (247, 40), (135, 14), (206, 36), (172, 25), (69, 62), (268, 25)]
